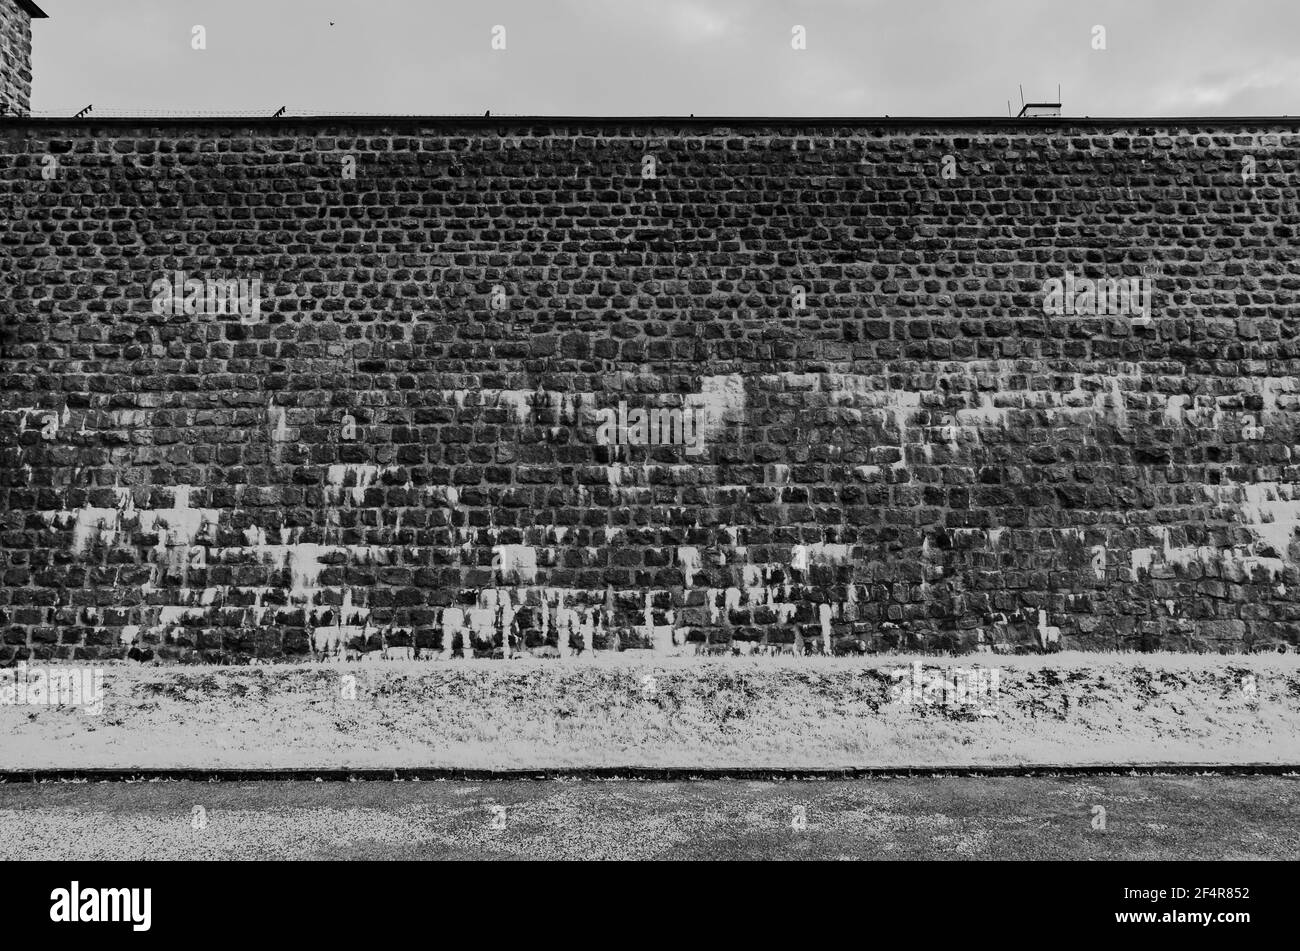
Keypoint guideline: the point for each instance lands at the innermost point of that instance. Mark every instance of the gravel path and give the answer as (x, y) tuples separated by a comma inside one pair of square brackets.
[(1147, 817)]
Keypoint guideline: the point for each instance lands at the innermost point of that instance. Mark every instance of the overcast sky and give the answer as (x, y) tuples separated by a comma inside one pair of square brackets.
[(668, 57)]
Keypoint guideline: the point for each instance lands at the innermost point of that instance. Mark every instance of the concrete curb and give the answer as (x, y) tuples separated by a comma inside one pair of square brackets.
[(635, 773)]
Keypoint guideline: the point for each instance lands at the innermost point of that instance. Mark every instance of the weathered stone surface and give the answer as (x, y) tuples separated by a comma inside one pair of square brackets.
[(15, 59), (919, 457)]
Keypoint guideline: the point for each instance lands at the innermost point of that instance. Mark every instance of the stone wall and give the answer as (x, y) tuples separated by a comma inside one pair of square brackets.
[(15, 59), (419, 433)]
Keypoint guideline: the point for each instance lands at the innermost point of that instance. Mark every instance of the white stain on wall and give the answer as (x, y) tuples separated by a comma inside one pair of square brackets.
[(722, 398), (688, 559), (515, 563), (177, 526), (353, 479), (820, 553)]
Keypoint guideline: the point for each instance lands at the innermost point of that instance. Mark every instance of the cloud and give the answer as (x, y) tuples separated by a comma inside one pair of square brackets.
[(1217, 92), (720, 57), (694, 22)]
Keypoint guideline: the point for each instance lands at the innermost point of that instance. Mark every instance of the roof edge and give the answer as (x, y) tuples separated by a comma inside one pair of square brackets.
[(33, 11), (1040, 122)]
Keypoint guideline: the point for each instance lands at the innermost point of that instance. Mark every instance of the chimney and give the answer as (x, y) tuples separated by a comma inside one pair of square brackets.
[(16, 55)]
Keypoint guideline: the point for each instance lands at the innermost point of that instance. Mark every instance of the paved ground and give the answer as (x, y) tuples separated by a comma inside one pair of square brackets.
[(1160, 817)]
